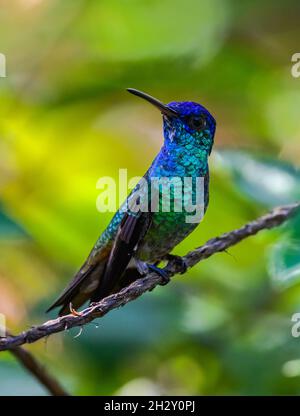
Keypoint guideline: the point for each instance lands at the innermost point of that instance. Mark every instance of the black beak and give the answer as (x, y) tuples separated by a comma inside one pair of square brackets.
[(164, 109)]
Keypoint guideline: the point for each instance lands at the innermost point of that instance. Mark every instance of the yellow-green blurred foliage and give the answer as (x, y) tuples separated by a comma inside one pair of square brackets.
[(66, 120)]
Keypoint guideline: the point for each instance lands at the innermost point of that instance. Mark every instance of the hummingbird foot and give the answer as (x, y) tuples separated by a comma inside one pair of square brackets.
[(73, 311), (144, 268), (178, 261), (162, 273)]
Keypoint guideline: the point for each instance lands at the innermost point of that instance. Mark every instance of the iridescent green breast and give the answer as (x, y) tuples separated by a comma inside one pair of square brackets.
[(168, 229)]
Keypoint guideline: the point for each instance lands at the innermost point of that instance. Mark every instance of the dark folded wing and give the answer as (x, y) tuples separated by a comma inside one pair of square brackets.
[(131, 231)]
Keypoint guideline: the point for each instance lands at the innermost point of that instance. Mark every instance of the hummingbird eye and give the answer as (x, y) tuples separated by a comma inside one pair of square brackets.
[(197, 123)]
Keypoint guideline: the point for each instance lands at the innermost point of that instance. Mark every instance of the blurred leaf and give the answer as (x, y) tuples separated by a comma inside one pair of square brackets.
[(135, 30), (268, 181), (9, 228), (284, 263), (203, 314)]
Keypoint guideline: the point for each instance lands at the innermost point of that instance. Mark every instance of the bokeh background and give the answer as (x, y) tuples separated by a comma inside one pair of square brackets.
[(66, 120)]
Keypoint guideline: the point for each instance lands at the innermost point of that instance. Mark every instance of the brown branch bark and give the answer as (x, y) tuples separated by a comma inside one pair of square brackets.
[(271, 220)]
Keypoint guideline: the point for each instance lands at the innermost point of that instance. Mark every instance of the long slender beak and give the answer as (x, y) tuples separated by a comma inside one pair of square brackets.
[(164, 109)]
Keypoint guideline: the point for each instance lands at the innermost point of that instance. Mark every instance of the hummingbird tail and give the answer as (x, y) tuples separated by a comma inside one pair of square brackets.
[(80, 289)]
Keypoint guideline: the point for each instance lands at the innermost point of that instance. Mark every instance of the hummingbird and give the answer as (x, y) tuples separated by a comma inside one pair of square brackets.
[(137, 241)]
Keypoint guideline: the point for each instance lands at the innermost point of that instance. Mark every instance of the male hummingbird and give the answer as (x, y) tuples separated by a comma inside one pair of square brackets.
[(136, 241)]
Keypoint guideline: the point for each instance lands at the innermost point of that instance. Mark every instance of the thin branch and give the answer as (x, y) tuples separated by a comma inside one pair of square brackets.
[(271, 220), (38, 371), (31, 364)]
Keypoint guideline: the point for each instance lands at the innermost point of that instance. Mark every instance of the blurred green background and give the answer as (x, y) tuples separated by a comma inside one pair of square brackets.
[(66, 120)]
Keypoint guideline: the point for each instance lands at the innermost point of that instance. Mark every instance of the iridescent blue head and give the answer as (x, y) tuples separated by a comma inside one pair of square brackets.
[(185, 123)]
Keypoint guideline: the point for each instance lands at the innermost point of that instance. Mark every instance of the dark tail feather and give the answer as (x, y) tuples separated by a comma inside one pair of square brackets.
[(80, 289)]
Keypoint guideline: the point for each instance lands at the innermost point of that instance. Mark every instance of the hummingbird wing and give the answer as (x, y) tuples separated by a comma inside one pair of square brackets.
[(131, 231), (104, 267), (84, 282)]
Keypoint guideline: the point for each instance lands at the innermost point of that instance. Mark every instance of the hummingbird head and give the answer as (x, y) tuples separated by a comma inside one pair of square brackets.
[(185, 123), (193, 125)]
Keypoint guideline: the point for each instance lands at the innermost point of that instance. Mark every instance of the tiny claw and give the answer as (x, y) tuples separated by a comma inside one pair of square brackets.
[(162, 273), (73, 311)]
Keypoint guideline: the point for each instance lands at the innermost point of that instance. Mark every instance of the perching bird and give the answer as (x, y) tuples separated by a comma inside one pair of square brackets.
[(136, 241)]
